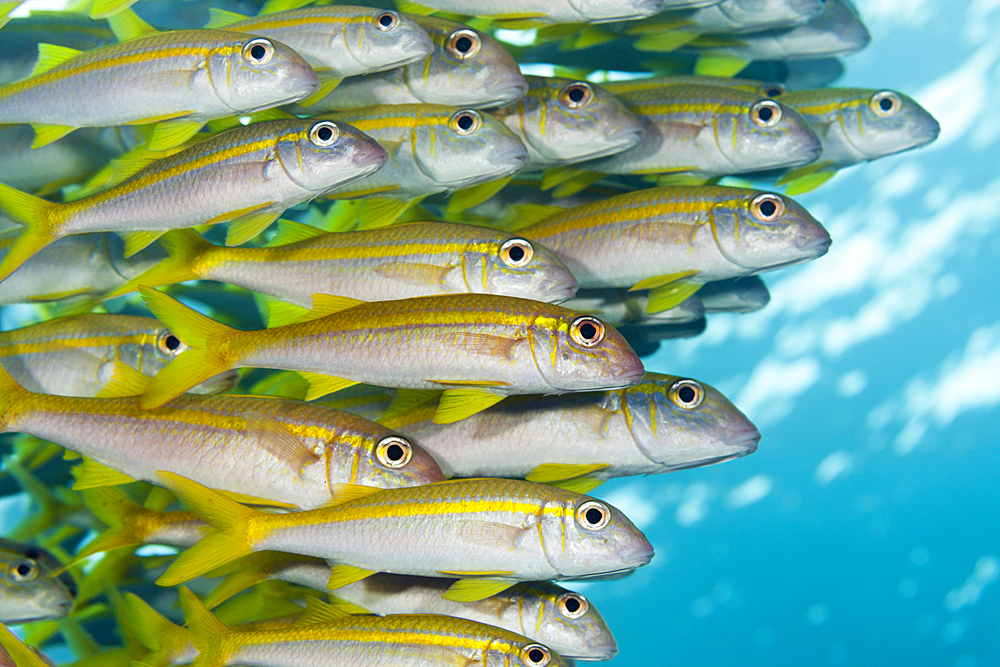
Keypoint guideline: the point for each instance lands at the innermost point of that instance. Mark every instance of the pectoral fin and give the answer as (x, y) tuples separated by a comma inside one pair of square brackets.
[(413, 273), (466, 198), (125, 381), (248, 226), (457, 404), (719, 64), (93, 474), (664, 41), (277, 439), (583, 484), (172, 133), (290, 231), (326, 87), (659, 281), (670, 296)]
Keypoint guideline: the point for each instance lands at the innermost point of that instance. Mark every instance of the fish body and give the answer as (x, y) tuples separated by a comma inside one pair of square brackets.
[(504, 531), (732, 16), (620, 306), (339, 41), (401, 261), (712, 131), (19, 46), (551, 11), (280, 450), (664, 423), (752, 86), (468, 68), (433, 148), (249, 174), (494, 345), (62, 162), (29, 588), (74, 356), (561, 121), (740, 295)]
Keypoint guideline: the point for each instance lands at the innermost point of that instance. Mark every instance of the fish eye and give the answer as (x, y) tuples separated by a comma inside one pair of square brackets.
[(464, 43), (24, 570), (885, 103), (572, 605), (767, 207), (765, 113), (593, 515), (386, 21), (466, 121), (169, 344), (587, 331), (687, 394), (576, 95), (535, 655), (516, 252), (774, 89), (258, 51), (324, 133), (393, 452)]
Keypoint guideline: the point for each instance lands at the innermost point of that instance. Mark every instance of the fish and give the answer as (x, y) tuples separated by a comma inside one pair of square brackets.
[(489, 534), (562, 120), (130, 524), (468, 68), (337, 41), (620, 306), (247, 176), (33, 586), (15, 653), (407, 260), (75, 355), (752, 86), (324, 636), (478, 347), (282, 451), (187, 77), (665, 423), (543, 11), (21, 35), (738, 295), (671, 240), (731, 16)]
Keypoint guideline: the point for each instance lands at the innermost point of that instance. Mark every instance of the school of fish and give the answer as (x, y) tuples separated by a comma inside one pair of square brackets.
[(320, 321)]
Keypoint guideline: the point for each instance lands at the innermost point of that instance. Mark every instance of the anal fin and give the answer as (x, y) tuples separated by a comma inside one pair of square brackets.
[(93, 474), (342, 574), (473, 590), (457, 404), (321, 385)]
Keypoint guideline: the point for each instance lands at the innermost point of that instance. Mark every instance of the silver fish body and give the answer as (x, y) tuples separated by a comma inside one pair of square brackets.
[(60, 163), (29, 589), (741, 295), (553, 11)]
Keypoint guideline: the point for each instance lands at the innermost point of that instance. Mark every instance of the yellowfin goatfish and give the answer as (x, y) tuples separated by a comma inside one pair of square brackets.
[(338, 41), (247, 176), (414, 259), (487, 533), (561, 121), (544, 11), (325, 637), (75, 356), (665, 31), (467, 68), (759, 88), (478, 347), (185, 77), (29, 588), (664, 423), (289, 452), (664, 239), (740, 295)]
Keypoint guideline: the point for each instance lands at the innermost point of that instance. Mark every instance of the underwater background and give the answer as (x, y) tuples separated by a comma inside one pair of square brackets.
[(864, 530)]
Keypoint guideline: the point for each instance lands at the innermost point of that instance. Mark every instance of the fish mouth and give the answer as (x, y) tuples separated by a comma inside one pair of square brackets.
[(557, 292), (815, 246), (617, 142), (511, 92)]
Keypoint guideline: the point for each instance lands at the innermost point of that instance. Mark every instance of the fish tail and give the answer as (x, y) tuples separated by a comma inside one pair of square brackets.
[(10, 390), (205, 629), (207, 354), (120, 514), (154, 631), (184, 247), (232, 520), (35, 215)]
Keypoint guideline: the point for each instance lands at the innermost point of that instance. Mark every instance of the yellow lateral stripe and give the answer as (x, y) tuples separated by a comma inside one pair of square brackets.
[(365, 635), (267, 22), (379, 249)]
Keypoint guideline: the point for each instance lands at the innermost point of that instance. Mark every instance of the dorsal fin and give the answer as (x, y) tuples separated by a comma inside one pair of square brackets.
[(319, 613), (290, 231), (219, 18), (127, 25), (50, 55)]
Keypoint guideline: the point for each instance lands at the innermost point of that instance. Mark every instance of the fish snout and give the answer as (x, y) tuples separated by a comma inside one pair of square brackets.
[(744, 439), (814, 243)]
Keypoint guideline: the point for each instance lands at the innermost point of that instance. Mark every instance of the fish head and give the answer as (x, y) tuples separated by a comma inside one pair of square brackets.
[(683, 423), (386, 41), (589, 537), (580, 353), (467, 68), (566, 622), (516, 266), (29, 588), (599, 11), (393, 461), (562, 120), (322, 155), (763, 231), (885, 122), (530, 654), (457, 149), (762, 14), (258, 73), (765, 134), (836, 31)]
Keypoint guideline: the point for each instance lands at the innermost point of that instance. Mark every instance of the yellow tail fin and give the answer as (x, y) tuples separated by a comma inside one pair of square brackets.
[(20, 653), (154, 631), (121, 515), (35, 215), (9, 390), (184, 247), (206, 630), (231, 541), (206, 356)]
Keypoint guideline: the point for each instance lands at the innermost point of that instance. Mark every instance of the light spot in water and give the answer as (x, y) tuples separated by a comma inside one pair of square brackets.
[(852, 384), (751, 491), (694, 506), (986, 571), (952, 631), (635, 505), (833, 466)]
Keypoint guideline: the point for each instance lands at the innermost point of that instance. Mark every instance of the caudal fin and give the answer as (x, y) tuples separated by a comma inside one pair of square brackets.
[(206, 356), (157, 633), (183, 247), (206, 630), (35, 215)]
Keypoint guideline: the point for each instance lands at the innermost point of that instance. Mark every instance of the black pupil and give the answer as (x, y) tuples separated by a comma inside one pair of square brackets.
[(589, 332), (171, 342), (885, 104), (577, 94), (23, 569), (324, 133), (463, 45), (516, 253), (395, 453), (765, 114), (385, 20), (536, 655), (768, 208), (594, 516), (257, 51), (572, 605), (466, 122), (687, 394)]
